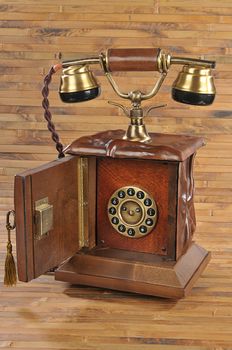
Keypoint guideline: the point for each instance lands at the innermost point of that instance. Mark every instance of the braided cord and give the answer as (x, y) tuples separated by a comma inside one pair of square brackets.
[(47, 113)]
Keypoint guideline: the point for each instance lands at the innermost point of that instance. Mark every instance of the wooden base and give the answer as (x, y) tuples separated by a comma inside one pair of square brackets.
[(135, 272)]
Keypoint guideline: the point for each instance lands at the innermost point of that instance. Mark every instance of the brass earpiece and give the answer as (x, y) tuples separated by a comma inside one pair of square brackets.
[(194, 85), (78, 84)]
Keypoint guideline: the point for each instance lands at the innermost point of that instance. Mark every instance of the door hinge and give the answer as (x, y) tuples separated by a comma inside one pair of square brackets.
[(83, 205)]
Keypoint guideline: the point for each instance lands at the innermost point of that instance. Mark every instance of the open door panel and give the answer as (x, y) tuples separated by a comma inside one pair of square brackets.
[(56, 182)]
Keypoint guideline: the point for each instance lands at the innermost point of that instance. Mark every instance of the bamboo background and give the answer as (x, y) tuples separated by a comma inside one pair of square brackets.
[(47, 314)]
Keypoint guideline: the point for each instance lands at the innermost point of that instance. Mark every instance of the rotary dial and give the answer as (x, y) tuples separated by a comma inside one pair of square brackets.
[(132, 212)]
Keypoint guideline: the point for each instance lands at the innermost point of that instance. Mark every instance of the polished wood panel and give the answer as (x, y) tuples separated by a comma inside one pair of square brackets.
[(23, 217), (167, 279), (159, 179), (186, 218), (56, 181)]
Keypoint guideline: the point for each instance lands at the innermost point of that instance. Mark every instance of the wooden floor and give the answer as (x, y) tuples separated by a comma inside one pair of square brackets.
[(46, 314)]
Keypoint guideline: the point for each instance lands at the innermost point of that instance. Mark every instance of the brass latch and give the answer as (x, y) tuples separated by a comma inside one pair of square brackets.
[(43, 217)]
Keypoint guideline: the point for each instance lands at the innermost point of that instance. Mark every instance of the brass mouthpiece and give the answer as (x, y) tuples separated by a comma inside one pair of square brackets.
[(78, 84)]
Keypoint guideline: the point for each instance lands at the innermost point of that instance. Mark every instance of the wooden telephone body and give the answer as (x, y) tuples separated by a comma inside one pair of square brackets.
[(83, 242)]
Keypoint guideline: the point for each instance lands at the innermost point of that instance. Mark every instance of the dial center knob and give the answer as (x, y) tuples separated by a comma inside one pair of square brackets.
[(131, 212)]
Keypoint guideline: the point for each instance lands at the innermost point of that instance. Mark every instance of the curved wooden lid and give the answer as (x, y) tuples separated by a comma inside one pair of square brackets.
[(110, 143)]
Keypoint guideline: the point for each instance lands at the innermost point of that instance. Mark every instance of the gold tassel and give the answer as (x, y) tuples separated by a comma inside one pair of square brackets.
[(10, 277)]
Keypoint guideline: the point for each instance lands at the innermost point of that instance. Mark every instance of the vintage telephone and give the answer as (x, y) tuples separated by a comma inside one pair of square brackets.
[(117, 211)]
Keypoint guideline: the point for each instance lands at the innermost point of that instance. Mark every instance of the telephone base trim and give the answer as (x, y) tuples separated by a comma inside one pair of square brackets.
[(171, 279)]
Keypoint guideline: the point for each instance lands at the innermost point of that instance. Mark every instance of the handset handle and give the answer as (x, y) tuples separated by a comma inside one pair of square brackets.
[(136, 59)]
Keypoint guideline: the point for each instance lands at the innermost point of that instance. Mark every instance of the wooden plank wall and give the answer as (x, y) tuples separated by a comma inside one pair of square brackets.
[(35, 35), (47, 314)]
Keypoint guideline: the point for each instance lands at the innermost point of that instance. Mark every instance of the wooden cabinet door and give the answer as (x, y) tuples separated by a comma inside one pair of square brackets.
[(57, 181)]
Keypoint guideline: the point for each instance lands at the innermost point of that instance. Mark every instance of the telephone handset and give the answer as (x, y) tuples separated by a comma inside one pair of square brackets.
[(127, 196), (194, 84)]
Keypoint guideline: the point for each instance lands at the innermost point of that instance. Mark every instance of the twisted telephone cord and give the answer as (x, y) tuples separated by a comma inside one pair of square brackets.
[(47, 113)]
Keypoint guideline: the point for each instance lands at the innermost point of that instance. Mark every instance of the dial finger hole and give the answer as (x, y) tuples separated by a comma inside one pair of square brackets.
[(143, 229), (112, 211), (131, 232), (121, 194), (131, 192), (151, 212), (121, 228), (149, 222), (140, 195), (114, 201), (148, 202), (115, 220)]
